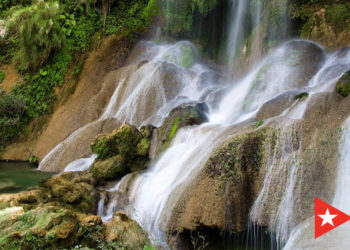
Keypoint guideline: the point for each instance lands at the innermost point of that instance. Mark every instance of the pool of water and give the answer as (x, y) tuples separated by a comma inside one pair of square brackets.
[(19, 176)]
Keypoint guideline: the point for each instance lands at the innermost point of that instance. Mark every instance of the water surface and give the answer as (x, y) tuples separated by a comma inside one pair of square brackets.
[(19, 176)]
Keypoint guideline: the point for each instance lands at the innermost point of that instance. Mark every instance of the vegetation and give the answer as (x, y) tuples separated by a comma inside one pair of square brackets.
[(301, 96), (179, 15), (124, 150), (44, 37), (259, 124), (173, 131), (2, 76), (343, 84), (12, 111), (34, 160), (39, 32)]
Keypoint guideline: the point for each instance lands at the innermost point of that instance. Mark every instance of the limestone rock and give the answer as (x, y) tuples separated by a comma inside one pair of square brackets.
[(126, 231), (109, 169)]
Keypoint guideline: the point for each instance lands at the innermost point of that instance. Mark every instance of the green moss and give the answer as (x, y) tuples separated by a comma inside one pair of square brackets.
[(109, 169), (338, 15), (127, 138), (104, 147), (187, 59), (143, 147), (343, 84), (301, 96), (173, 131), (34, 160), (259, 124), (2, 76)]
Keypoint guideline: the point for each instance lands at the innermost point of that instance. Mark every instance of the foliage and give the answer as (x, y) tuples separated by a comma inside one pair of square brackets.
[(173, 131), (12, 110), (259, 124), (343, 84), (130, 17), (302, 95), (45, 36), (2, 76), (104, 148), (34, 160), (179, 14), (39, 32), (198, 241)]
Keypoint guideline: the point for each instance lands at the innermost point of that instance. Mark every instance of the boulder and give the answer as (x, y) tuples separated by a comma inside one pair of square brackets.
[(109, 169), (67, 192), (126, 231), (122, 151)]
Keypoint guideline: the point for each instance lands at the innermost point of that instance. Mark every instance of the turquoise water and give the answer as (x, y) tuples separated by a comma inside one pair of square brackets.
[(19, 176)]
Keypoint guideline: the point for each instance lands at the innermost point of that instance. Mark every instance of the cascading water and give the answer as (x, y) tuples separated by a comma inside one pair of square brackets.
[(238, 10), (168, 75), (303, 235), (154, 192)]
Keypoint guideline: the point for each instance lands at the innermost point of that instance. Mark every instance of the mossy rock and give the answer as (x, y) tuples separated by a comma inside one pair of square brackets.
[(127, 138), (109, 169), (127, 141), (76, 195), (185, 115), (126, 231), (120, 152), (343, 84), (104, 146)]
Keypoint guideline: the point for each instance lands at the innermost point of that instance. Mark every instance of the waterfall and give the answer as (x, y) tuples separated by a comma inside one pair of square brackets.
[(303, 235), (162, 78), (236, 36), (167, 75)]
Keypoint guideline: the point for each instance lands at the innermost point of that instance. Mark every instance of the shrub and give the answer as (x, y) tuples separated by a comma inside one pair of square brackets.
[(12, 110), (259, 124), (39, 31), (2, 76), (343, 84), (34, 160)]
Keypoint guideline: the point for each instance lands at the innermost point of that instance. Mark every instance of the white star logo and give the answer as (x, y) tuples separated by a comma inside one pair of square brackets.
[(327, 218)]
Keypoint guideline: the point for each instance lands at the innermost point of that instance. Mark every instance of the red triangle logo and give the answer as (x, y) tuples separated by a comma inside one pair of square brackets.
[(327, 218)]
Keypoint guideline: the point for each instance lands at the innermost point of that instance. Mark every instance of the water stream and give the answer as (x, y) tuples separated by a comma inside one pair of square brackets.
[(170, 74)]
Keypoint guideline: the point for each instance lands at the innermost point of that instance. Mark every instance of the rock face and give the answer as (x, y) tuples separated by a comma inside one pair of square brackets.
[(268, 172), (228, 185), (280, 103)]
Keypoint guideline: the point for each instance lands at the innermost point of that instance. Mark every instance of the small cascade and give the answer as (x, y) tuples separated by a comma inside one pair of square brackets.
[(238, 11), (162, 78), (275, 204), (167, 75), (303, 235), (80, 164)]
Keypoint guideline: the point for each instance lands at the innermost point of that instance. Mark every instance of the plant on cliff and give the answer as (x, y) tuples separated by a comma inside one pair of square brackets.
[(343, 84), (2, 76), (12, 110), (39, 32)]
